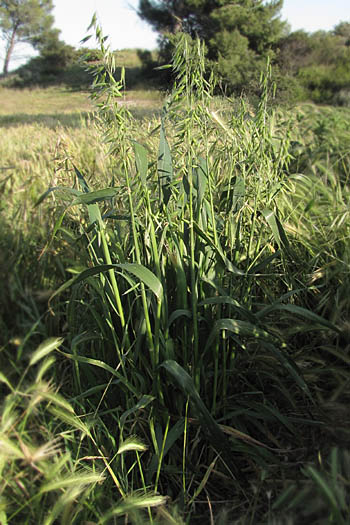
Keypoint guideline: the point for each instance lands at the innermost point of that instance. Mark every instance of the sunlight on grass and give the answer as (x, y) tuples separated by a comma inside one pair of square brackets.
[(175, 305)]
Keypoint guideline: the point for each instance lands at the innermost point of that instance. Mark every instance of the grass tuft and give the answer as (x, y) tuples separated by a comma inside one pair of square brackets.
[(184, 280)]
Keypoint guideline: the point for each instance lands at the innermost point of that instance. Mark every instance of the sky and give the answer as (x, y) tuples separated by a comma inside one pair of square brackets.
[(120, 22)]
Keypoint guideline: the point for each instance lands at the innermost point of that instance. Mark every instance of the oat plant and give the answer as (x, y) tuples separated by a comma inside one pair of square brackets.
[(177, 314)]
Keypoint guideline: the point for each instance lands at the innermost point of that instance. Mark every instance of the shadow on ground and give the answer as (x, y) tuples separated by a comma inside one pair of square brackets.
[(67, 120), (52, 121)]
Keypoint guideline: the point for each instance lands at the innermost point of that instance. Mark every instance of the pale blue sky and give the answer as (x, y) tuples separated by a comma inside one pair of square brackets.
[(312, 15), (120, 21)]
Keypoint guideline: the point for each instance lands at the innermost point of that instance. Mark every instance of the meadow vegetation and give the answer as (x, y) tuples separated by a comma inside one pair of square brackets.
[(175, 304)]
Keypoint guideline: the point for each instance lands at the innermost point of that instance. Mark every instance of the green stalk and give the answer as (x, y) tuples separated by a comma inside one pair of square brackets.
[(216, 348), (111, 274), (194, 298), (138, 260), (161, 455), (184, 448), (160, 310)]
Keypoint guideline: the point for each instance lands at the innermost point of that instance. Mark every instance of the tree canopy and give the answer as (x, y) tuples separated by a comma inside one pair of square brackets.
[(28, 21), (239, 34)]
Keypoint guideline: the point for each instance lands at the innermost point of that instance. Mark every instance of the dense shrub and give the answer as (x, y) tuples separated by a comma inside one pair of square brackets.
[(319, 63), (57, 63)]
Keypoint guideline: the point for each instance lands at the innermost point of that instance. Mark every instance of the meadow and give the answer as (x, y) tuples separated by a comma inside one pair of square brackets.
[(174, 337)]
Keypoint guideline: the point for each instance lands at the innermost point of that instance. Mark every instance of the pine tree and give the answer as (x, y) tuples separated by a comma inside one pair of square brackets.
[(239, 34), (27, 21)]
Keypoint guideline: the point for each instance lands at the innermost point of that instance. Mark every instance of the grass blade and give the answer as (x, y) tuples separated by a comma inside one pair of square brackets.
[(208, 423), (141, 158), (45, 348), (165, 166), (140, 271)]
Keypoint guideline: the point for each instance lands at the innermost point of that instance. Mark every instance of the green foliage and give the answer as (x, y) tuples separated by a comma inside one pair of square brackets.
[(37, 479), (294, 52), (149, 64), (190, 302), (57, 63), (198, 268), (322, 496), (61, 64), (238, 36), (27, 21), (343, 30), (50, 462), (319, 63)]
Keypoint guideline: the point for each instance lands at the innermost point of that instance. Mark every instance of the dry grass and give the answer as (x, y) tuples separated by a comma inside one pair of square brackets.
[(43, 100)]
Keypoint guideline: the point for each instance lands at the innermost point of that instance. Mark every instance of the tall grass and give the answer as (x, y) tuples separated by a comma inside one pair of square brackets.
[(198, 302)]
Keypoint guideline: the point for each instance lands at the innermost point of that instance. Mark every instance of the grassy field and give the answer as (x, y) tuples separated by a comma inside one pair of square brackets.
[(57, 106), (174, 317)]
